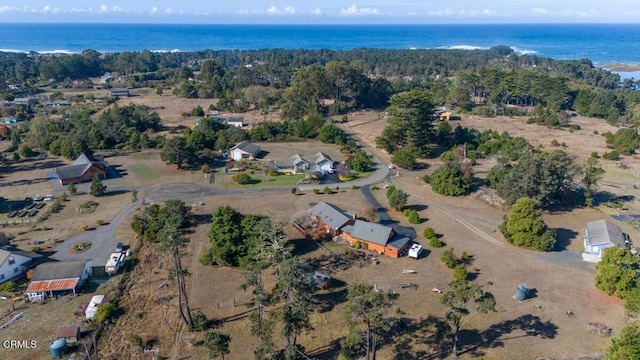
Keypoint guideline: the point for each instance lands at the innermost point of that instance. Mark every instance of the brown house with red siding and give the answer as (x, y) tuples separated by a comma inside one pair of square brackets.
[(330, 217), (82, 169)]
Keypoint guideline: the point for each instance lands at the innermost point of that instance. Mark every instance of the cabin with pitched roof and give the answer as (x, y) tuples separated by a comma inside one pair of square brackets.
[(84, 168), (375, 237)]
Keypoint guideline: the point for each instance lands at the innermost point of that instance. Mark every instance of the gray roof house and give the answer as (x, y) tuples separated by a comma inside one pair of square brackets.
[(330, 215), (599, 235), (57, 276), (299, 163), (82, 169), (370, 232), (14, 263), (244, 151)]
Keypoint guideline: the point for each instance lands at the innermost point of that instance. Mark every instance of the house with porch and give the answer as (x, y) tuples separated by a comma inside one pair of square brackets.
[(300, 164), (600, 235), (244, 151), (84, 168), (14, 263), (58, 278)]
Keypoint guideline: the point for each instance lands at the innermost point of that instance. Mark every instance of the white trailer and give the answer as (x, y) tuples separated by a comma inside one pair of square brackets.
[(114, 263), (415, 250), (92, 308)]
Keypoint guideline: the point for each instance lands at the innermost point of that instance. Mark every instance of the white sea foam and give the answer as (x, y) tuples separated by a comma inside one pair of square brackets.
[(52, 52), (523, 52), (463, 47), (12, 51), (166, 51)]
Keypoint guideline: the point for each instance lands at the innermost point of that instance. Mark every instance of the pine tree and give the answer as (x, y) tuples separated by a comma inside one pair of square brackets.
[(98, 188)]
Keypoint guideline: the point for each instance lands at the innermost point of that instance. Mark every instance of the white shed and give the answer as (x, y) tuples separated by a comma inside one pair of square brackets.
[(92, 308)]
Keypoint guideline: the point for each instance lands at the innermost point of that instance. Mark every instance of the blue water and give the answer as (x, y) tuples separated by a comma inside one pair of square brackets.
[(601, 43)]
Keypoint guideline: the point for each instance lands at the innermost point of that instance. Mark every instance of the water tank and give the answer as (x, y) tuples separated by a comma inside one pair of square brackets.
[(522, 293), (58, 348)]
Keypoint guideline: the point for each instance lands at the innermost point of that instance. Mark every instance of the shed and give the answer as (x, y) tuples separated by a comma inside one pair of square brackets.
[(69, 333)]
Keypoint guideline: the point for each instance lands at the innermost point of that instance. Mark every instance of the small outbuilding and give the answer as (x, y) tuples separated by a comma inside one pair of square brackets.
[(319, 280), (70, 333)]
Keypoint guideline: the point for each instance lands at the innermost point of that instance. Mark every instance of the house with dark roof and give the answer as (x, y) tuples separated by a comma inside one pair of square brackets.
[(600, 235), (244, 151), (299, 163), (84, 168), (58, 278), (375, 237), (14, 263), (330, 217)]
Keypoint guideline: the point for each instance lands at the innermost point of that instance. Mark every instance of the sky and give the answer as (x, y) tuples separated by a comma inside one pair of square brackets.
[(321, 12)]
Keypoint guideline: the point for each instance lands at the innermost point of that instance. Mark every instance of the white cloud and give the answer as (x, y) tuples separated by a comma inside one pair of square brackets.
[(539, 11), (288, 10), (249, 12), (474, 13), (154, 10), (169, 10), (355, 10), (445, 12), (316, 11)]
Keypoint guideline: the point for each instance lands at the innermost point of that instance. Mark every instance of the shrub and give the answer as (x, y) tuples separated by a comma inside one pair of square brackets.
[(135, 340), (199, 321), (449, 259), (460, 272), (294, 190), (272, 173), (99, 222), (555, 142), (613, 155), (8, 287), (241, 178), (345, 178), (436, 243), (574, 127), (354, 187), (390, 191), (357, 245), (316, 191), (414, 218), (327, 190), (429, 233), (106, 311), (595, 155), (595, 132)]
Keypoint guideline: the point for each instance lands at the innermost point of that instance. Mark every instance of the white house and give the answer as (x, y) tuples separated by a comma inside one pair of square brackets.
[(14, 263), (299, 163), (59, 277), (244, 151), (599, 235)]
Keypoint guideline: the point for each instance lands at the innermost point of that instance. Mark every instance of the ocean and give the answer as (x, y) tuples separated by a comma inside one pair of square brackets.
[(601, 43)]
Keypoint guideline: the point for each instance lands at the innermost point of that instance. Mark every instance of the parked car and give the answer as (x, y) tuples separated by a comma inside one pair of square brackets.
[(391, 166), (119, 247), (48, 197), (37, 198)]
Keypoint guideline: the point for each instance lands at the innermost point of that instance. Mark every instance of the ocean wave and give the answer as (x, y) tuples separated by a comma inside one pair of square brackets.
[(523, 52), (12, 51), (53, 52), (463, 47), (166, 51)]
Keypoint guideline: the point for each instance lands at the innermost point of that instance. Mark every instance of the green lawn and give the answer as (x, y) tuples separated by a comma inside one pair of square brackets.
[(144, 172)]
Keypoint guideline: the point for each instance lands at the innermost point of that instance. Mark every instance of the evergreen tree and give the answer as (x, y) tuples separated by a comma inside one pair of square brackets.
[(524, 227), (627, 345), (217, 343), (98, 188)]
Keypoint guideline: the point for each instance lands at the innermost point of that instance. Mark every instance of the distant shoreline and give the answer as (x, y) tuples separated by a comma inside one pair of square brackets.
[(620, 67)]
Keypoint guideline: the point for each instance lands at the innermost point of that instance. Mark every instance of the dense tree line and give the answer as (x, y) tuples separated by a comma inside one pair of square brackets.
[(299, 80)]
